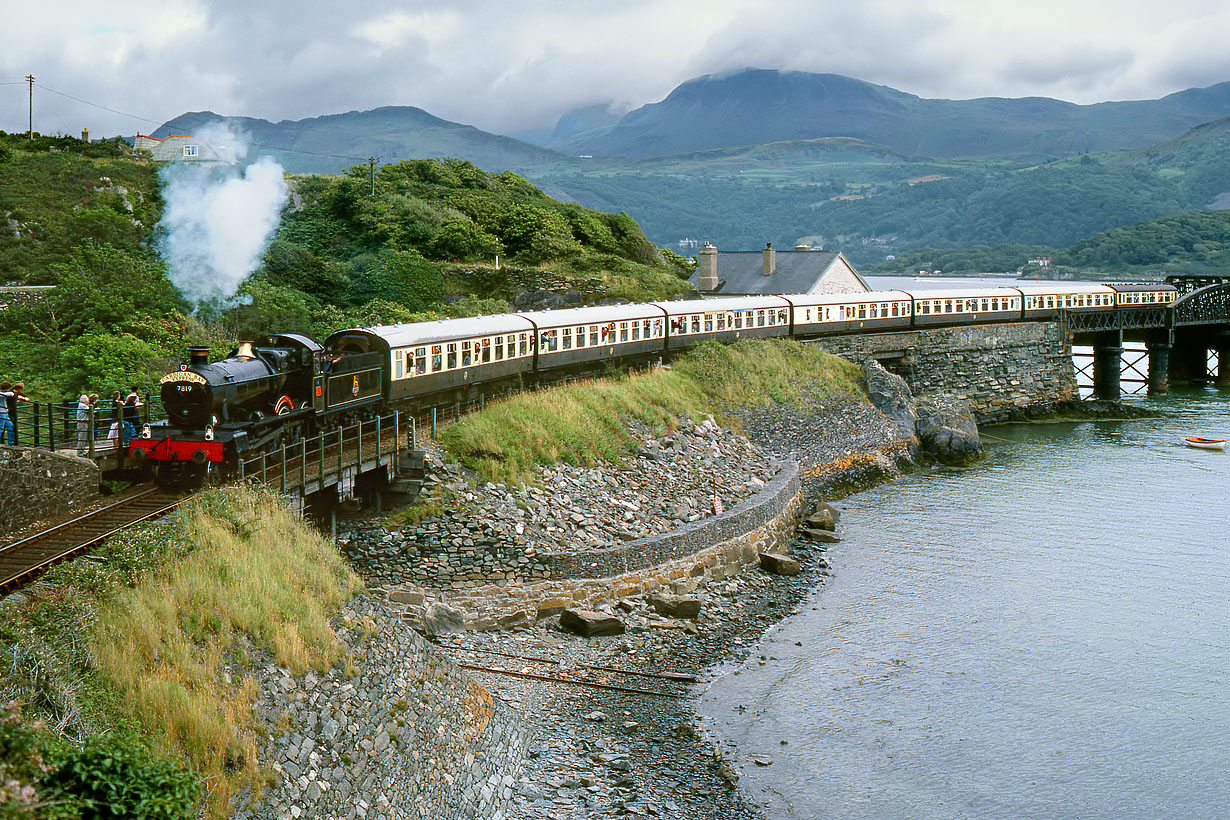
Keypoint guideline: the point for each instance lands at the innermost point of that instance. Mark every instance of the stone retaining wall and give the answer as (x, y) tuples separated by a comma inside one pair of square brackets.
[(406, 734), (39, 485), (696, 554), (994, 369)]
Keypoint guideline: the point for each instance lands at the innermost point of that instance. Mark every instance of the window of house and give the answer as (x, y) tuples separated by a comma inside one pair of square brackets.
[(190, 151)]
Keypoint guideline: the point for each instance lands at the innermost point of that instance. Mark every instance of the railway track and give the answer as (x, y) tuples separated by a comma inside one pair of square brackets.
[(22, 560)]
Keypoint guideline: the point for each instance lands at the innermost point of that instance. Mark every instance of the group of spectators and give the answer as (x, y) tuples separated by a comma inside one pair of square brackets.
[(126, 415)]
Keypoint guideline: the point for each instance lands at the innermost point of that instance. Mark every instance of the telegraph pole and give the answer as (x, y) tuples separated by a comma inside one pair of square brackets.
[(371, 174), (30, 82)]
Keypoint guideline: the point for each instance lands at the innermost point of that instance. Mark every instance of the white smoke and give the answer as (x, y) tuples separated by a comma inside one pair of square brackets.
[(219, 216)]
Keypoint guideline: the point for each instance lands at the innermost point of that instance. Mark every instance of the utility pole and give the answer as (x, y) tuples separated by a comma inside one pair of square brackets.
[(30, 82), (371, 174)]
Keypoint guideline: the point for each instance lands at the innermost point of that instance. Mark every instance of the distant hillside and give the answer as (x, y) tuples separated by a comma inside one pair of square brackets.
[(332, 143), (1187, 243), (756, 106)]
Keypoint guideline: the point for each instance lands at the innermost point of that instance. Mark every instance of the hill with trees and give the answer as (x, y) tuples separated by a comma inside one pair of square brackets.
[(417, 240), (1187, 243)]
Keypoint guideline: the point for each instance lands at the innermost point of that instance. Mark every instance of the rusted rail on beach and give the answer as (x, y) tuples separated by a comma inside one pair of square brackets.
[(678, 677), (22, 560), (591, 684)]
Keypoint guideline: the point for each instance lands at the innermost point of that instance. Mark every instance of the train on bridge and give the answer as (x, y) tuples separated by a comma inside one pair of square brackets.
[(273, 391)]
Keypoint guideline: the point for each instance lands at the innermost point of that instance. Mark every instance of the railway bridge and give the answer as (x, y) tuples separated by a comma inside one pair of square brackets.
[(1178, 338)]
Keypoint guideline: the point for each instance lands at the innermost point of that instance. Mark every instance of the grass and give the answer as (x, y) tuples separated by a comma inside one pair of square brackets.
[(165, 644), (583, 424)]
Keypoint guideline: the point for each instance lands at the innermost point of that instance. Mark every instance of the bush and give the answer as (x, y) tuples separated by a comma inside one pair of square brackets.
[(406, 278), (117, 776), (462, 239)]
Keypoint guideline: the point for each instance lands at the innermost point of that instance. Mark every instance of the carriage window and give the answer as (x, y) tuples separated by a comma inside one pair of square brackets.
[(580, 336), (872, 311), (828, 314), (399, 365), (452, 356), (465, 354), (760, 318), (567, 338), (721, 321), (523, 347), (437, 363), (593, 335), (499, 348), (738, 320), (486, 350), (696, 324), (420, 361), (636, 331), (926, 307), (645, 329), (623, 331)]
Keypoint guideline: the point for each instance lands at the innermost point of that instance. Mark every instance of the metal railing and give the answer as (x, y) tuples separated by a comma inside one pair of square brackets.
[(57, 426), (330, 456)]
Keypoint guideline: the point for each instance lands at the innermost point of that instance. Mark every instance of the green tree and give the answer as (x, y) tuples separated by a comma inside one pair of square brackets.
[(103, 289), (462, 239), (406, 278)]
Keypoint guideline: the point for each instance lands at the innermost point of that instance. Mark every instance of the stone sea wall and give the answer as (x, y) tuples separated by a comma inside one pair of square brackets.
[(696, 554), (38, 485), (398, 733), (996, 370)]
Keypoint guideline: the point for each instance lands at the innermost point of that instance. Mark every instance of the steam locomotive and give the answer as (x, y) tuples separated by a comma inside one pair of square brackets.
[(270, 392)]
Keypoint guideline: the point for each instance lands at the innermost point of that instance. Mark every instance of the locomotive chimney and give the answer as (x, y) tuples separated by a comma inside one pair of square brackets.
[(245, 351), (198, 355)]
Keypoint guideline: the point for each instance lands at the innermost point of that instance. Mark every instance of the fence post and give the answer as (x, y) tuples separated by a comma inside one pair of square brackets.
[(90, 446), (302, 466), (341, 440), (264, 469), (283, 471), (433, 422)]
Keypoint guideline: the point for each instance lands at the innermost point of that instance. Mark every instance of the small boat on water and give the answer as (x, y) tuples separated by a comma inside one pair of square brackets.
[(1205, 443)]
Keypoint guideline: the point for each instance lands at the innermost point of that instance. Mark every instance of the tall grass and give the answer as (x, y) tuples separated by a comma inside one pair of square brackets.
[(583, 424), (175, 646)]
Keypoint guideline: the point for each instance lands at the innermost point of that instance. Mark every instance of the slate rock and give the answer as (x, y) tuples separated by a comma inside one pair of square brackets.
[(590, 624), (442, 619), (675, 606), (779, 564)]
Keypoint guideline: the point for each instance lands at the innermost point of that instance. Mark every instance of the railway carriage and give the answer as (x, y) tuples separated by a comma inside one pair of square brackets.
[(965, 305), (818, 313), (1043, 300), (692, 321), (1144, 295), (425, 360), (583, 338)]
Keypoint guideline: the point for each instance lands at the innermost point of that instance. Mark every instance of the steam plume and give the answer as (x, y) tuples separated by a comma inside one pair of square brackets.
[(219, 216)]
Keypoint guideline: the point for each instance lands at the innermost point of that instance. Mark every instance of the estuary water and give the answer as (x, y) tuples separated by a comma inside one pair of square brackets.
[(1044, 635)]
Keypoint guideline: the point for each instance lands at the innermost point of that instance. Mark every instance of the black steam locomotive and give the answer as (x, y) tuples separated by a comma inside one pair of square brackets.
[(263, 395)]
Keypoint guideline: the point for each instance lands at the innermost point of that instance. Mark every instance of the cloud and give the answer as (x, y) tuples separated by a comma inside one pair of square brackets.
[(508, 66)]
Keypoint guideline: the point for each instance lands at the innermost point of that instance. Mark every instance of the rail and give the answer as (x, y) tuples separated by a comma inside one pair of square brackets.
[(21, 560)]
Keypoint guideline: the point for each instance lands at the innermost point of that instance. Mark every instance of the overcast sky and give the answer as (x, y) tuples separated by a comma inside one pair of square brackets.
[(508, 65)]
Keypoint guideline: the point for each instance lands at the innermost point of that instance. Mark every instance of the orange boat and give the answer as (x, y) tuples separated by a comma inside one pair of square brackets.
[(1205, 443)]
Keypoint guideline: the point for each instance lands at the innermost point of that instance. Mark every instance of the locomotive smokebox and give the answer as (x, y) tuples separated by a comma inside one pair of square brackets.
[(198, 355)]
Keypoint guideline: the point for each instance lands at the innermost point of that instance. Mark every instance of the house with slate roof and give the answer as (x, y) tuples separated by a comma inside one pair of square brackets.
[(751, 273), (179, 148)]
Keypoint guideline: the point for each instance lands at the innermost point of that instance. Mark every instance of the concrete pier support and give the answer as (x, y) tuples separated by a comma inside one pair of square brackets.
[(1107, 364), (1159, 367), (1223, 365)]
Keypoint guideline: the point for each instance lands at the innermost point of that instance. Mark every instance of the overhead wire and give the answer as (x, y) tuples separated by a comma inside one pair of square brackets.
[(156, 122)]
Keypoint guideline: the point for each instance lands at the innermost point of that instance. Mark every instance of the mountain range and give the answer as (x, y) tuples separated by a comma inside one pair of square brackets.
[(759, 155)]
